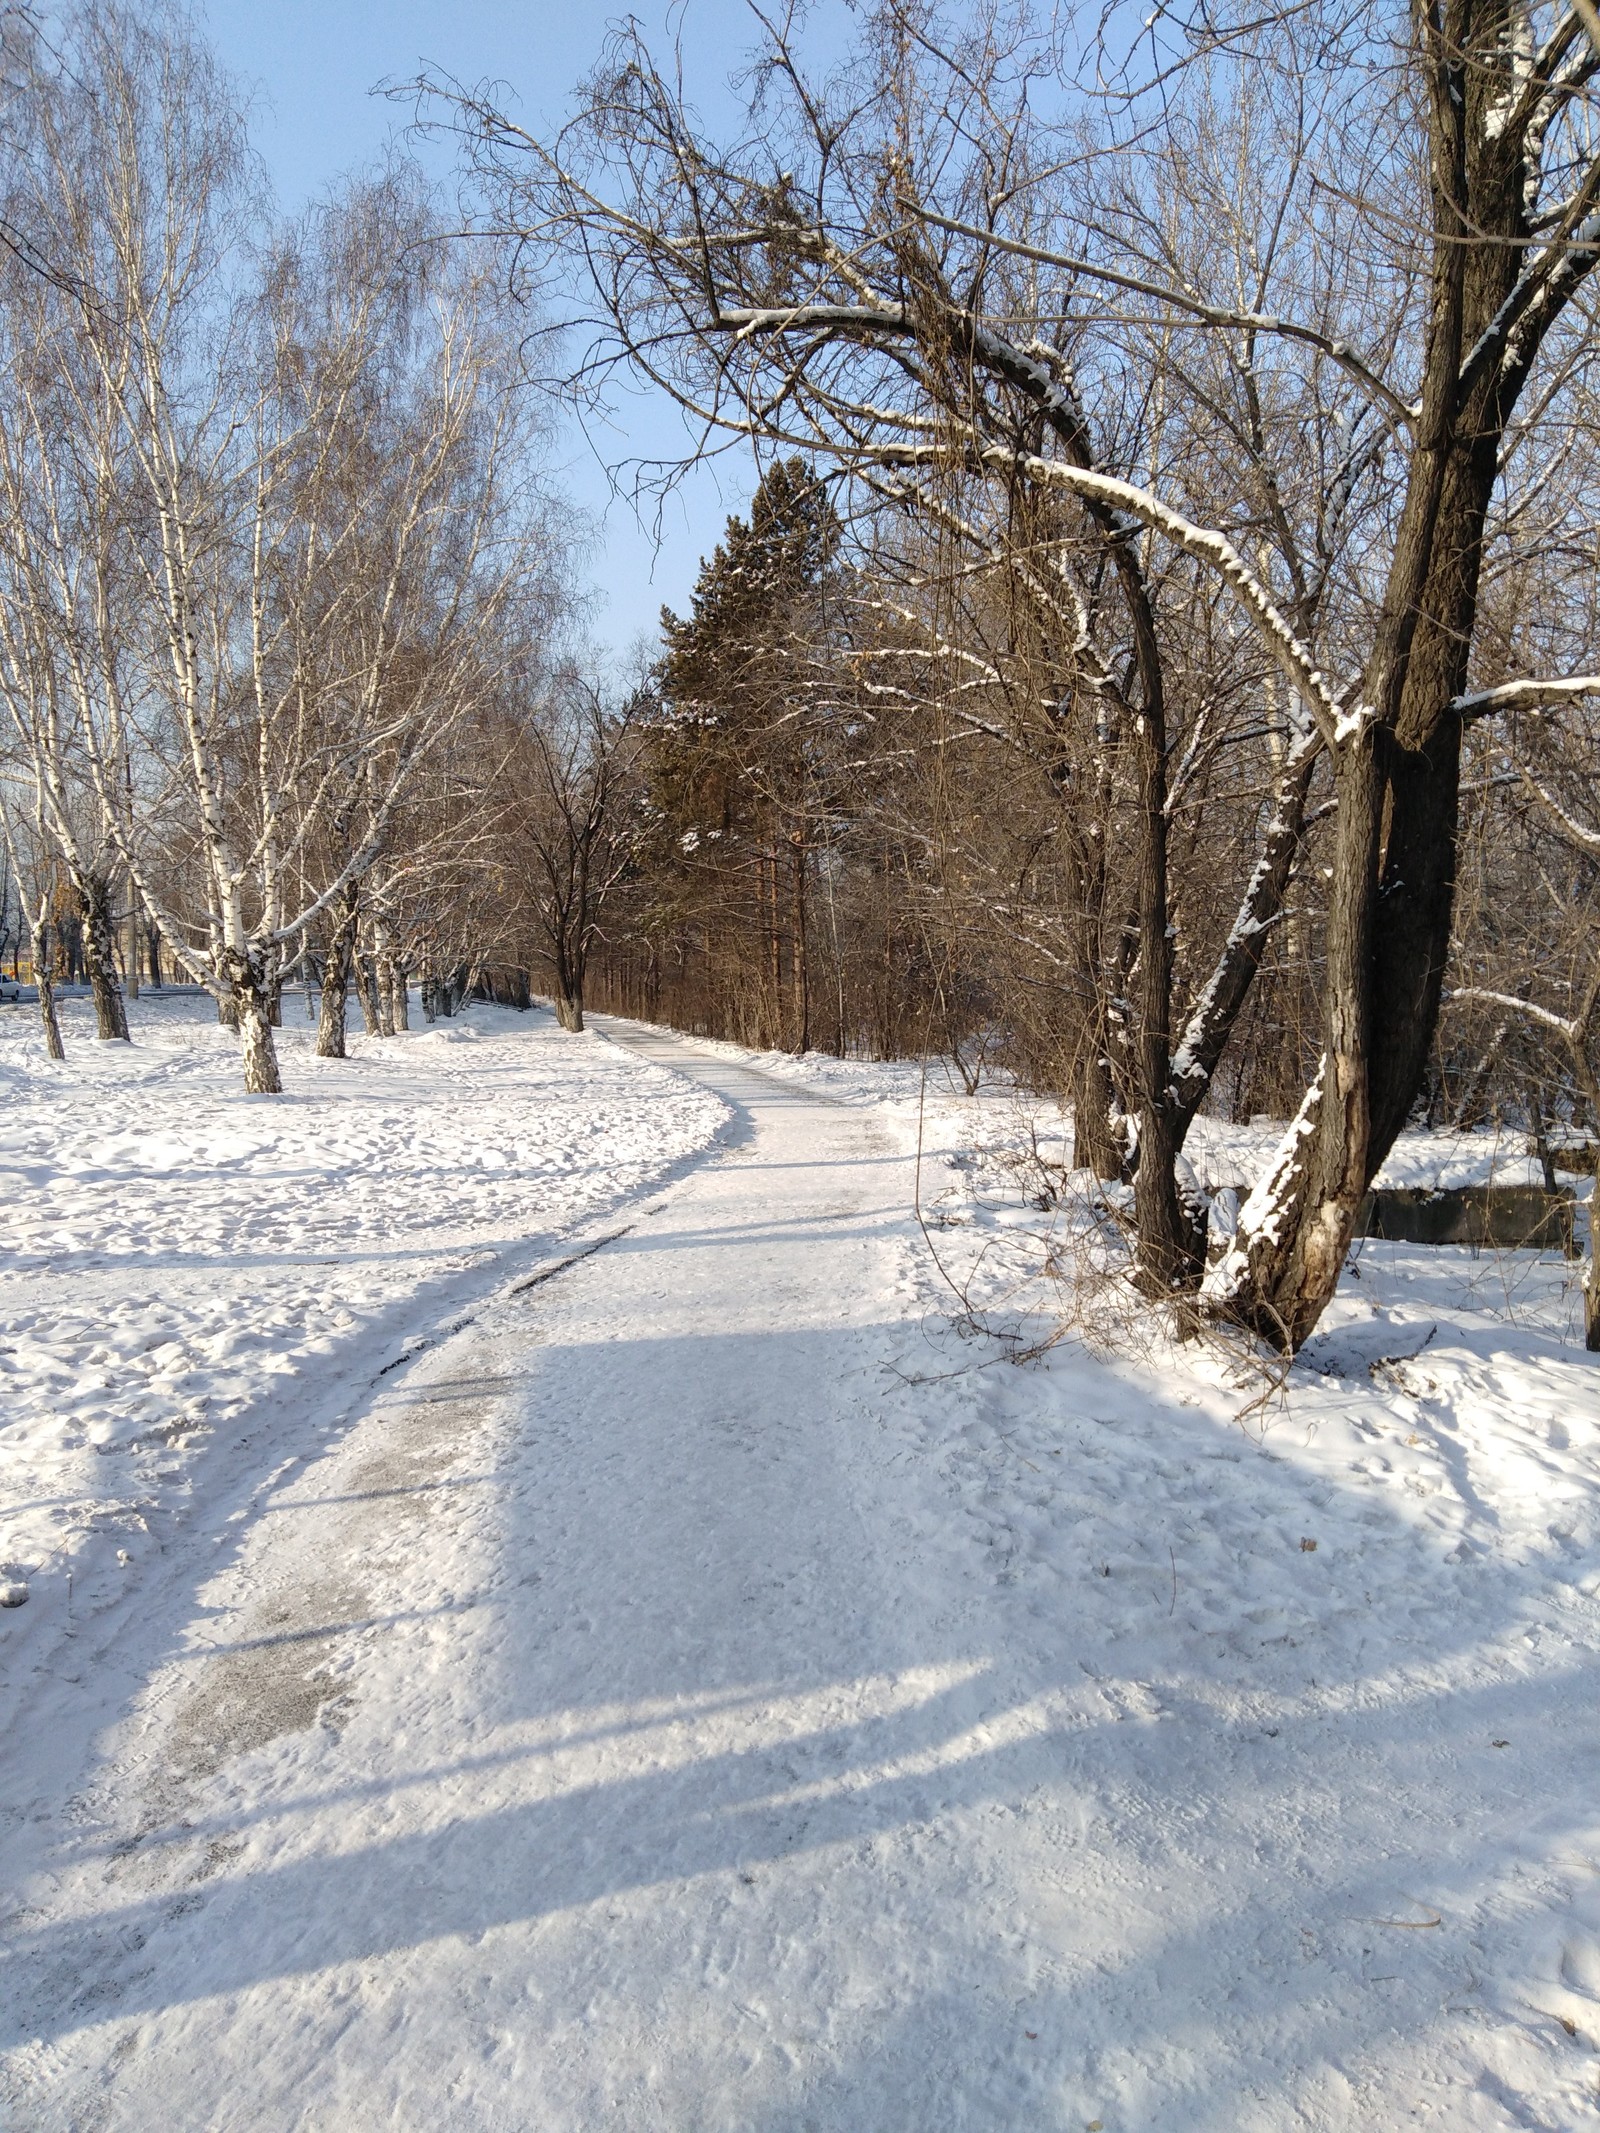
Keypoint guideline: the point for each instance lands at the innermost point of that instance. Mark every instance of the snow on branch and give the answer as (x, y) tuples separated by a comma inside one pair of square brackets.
[(1139, 506), (1212, 1018), (1563, 1026), (1514, 333), (1529, 695), (826, 318)]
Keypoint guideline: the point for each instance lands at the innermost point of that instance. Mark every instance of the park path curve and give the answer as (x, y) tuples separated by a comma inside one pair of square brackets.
[(581, 1741), (706, 1693)]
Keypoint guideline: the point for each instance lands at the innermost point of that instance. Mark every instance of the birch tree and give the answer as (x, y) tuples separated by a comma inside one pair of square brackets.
[(320, 487)]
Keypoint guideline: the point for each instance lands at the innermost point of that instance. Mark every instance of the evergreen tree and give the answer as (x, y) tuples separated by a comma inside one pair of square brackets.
[(734, 763)]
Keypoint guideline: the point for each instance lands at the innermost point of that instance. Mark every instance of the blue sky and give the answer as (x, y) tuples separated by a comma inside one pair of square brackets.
[(312, 65)]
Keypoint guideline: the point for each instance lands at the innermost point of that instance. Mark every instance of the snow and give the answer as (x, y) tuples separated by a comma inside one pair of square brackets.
[(717, 1688), (1352, 722), (180, 1258), (1435, 1161)]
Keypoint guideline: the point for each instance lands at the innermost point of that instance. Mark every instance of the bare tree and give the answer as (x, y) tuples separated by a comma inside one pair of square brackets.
[(30, 851), (561, 826), (288, 501), (908, 269)]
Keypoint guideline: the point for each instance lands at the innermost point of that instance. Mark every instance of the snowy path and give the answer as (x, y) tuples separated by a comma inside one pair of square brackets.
[(658, 1713), (605, 1649)]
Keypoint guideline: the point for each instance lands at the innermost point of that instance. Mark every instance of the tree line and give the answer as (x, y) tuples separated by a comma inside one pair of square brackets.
[(1159, 654), (280, 572), (1208, 418)]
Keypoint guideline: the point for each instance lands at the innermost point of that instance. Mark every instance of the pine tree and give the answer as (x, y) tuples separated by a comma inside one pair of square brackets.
[(733, 764)]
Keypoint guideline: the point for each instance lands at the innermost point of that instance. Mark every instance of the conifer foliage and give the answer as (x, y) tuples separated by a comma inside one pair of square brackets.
[(738, 761)]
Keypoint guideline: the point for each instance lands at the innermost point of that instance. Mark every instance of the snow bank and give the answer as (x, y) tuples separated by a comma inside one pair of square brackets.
[(1375, 1585), (183, 1263)]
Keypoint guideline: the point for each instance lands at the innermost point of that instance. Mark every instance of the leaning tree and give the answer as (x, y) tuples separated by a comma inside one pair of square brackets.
[(1280, 293)]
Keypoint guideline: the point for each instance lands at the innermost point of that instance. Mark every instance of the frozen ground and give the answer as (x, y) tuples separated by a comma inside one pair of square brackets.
[(715, 1689)]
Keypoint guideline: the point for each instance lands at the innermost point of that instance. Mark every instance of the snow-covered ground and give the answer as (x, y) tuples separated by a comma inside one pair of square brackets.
[(183, 1266), (720, 1688)]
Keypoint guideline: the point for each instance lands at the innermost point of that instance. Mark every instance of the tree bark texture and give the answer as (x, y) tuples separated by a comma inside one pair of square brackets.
[(336, 985), (250, 992), (39, 949), (99, 955), (367, 993)]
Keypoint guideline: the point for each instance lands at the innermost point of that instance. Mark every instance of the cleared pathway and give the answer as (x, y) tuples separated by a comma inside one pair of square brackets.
[(704, 1696), (573, 1747)]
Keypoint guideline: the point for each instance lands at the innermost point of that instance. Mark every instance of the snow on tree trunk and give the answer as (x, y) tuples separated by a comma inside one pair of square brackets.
[(1268, 1211), (569, 1010), (1216, 1012), (1296, 1253), (252, 1005), (335, 990)]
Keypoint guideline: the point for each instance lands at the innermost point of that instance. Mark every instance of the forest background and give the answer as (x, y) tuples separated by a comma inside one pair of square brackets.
[(1156, 662)]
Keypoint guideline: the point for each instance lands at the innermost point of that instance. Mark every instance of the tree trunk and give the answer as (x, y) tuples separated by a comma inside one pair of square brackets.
[(153, 955), (379, 989), (1398, 780), (399, 996), (799, 962), (1537, 1134), (252, 1006), (1169, 1257), (1589, 1087), (366, 992), (1094, 1145), (39, 948), (99, 955), (773, 1033), (336, 985), (1296, 1227)]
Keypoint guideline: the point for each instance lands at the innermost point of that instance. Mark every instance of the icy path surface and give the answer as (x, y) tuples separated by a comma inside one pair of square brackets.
[(681, 1704)]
